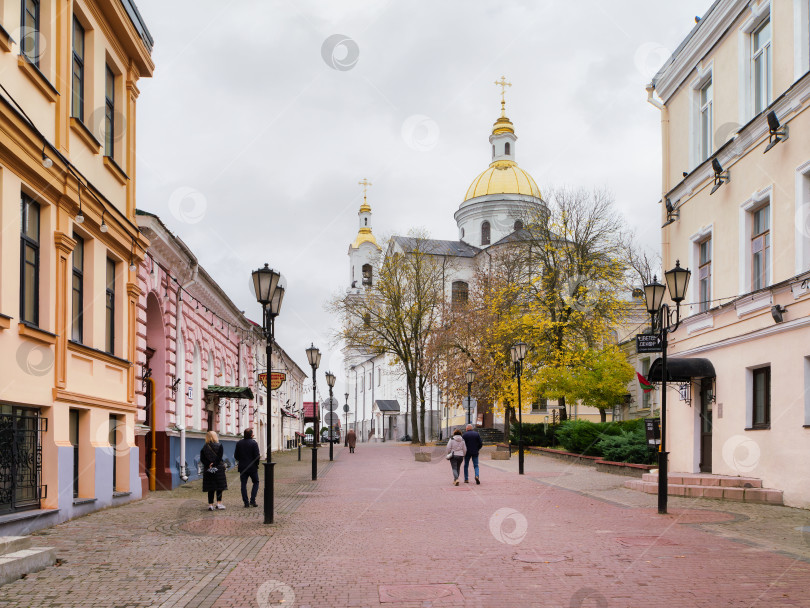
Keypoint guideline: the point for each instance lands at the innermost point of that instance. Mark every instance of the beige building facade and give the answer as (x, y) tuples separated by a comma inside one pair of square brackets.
[(69, 247), (734, 101)]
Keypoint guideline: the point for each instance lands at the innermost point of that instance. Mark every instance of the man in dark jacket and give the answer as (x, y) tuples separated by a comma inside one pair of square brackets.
[(247, 455), (474, 445)]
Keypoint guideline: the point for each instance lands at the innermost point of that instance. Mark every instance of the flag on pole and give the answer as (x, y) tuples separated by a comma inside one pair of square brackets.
[(645, 385)]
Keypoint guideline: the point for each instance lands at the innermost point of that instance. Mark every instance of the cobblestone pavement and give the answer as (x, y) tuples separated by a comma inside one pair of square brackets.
[(379, 529)]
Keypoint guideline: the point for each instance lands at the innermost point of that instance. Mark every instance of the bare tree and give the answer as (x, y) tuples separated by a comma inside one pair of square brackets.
[(397, 313)]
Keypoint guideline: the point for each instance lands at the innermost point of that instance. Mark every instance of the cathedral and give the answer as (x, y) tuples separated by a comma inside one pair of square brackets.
[(490, 215)]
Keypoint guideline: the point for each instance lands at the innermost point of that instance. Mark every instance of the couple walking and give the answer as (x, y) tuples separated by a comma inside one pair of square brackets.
[(213, 459), (464, 447)]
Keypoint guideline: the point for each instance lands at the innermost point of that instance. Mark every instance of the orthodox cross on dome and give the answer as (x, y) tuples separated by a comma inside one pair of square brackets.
[(366, 184), (503, 84)]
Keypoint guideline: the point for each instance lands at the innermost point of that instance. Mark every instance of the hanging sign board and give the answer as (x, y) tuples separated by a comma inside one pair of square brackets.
[(652, 426), (648, 343), (276, 380)]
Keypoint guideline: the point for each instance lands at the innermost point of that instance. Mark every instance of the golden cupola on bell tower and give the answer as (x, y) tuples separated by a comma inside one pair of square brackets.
[(364, 252)]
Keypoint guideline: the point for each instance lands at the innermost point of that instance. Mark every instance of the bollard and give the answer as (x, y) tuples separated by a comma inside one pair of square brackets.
[(299, 452)]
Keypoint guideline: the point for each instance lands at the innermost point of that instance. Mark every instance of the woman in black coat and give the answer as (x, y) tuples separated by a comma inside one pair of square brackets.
[(214, 479)]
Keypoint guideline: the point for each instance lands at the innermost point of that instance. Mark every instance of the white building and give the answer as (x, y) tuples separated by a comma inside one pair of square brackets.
[(489, 215)]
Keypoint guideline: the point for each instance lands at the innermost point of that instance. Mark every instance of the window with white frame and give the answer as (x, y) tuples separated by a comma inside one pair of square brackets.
[(761, 65), (705, 274), (802, 217), (760, 247), (706, 143)]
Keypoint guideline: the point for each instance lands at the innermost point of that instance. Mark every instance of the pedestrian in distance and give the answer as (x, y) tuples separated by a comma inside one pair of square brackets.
[(214, 480), (351, 439), (456, 449), (474, 444), (247, 457)]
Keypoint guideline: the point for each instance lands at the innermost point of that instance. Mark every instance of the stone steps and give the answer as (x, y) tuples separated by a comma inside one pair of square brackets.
[(18, 558), (489, 436), (703, 485)]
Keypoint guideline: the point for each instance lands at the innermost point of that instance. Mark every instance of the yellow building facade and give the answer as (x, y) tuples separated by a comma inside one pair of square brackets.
[(734, 101), (69, 247)]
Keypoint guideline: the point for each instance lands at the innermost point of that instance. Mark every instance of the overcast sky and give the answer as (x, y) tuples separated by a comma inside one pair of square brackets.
[(263, 115)]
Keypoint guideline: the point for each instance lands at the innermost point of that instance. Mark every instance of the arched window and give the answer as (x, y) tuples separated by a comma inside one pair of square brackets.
[(196, 391), (493, 150), (366, 274), (366, 221), (460, 293), (506, 148), (485, 233), (518, 225)]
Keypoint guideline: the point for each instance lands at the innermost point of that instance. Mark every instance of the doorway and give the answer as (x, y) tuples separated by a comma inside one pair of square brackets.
[(706, 402)]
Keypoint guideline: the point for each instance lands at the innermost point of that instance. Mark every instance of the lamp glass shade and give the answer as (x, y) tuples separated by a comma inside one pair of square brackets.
[(265, 281), (313, 355), (330, 379), (275, 303), (654, 295), (514, 354), (470, 376), (522, 348), (677, 282)]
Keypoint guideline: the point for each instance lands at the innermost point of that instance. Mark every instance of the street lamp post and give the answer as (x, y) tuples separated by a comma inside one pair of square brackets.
[(518, 353), (470, 379), (314, 358), (665, 323), (346, 430), (330, 380), (269, 287)]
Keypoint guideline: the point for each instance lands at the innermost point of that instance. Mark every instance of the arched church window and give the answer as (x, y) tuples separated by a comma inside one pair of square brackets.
[(506, 148), (485, 233), (459, 293), (518, 225), (366, 221), (493, 150), (366, 274)]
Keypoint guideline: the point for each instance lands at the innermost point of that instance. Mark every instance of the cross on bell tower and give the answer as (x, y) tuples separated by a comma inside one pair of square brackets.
[(503, 84)]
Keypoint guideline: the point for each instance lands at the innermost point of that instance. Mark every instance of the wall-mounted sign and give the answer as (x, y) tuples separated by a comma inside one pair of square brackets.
[(652, 427), (190, 393)]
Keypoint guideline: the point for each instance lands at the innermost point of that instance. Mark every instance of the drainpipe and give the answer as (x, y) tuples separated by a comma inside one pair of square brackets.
[(372, 396), (665, 162), (180, 397)]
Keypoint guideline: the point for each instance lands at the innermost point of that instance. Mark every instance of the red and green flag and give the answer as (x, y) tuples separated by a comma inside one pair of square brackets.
[(646, 386)]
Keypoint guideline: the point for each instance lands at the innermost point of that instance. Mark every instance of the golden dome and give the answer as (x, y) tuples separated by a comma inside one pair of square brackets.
[(503, 125), (364, 235), (503, 177)]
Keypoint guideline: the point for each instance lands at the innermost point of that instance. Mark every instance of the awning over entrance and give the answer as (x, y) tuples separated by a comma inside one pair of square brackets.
[(288, 413), (681, 370), (230, 392), (387, 406), (309, 412)]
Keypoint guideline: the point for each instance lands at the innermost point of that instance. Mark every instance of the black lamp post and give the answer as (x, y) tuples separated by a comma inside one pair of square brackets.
[(314, 358), (665, 322), (330, 380), (518, 353), (470, 379), (346, 430), (269, 287)]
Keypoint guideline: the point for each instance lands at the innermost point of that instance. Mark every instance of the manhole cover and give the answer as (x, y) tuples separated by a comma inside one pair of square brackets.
[(644, 541), (226, 526), (418, 593), (537, 558)]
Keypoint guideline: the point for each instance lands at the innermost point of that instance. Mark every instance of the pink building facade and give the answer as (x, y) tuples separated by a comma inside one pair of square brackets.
[(195, 363)]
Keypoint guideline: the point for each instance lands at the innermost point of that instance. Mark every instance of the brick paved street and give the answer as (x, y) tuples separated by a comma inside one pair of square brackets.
[(378, 529)]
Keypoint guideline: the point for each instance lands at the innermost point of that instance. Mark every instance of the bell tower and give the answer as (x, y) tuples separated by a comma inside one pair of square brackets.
[(364, 252)]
